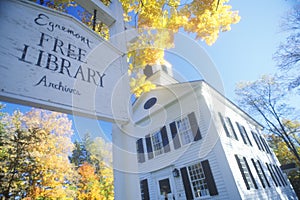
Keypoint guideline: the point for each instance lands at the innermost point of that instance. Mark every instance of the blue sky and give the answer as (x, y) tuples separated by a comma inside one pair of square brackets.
[(244, 53)]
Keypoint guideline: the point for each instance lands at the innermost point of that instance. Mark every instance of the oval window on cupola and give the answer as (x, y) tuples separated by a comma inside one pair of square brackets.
[(150, 102)]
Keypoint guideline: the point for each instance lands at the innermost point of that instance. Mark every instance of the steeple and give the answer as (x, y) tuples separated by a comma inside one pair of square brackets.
[(160, 74)]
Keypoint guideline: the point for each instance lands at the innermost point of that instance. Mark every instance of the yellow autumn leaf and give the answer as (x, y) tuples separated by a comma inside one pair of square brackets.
[(158, 21)]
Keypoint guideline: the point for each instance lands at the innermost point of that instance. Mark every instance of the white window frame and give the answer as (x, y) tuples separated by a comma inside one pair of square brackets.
[(230, 127), (198, 176), (184, 130), (247, 172), (157, 143)]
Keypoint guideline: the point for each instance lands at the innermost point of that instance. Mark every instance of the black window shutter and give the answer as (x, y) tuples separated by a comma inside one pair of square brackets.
[(257, 171), (272, 175), (186, 184), (175, 135), (280, 175), (209, 178), (194, 126), (145, 190), (149, 147), (242, 171), (224, 125), (140, 150), (277, 179), (251, 175), (263, 173), (165, 140)]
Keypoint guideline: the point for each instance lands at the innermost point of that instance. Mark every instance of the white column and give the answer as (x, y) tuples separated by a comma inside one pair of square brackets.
[(126, 180), (117, 29)]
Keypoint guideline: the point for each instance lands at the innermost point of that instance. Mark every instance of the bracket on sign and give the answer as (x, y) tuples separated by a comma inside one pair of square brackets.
[(94, 20), (104, 13)]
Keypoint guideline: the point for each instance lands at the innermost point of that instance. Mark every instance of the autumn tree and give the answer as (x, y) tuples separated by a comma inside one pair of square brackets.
[(93, 183), (158, 21), (266, 99), (285, 156), (288, 52), (34, 155), (35, 149), (282, 152), (88, 183), (16, 163), (101, 154), (93, 160)]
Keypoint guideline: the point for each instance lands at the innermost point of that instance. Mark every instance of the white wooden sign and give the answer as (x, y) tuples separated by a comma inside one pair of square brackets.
[(51, 60)]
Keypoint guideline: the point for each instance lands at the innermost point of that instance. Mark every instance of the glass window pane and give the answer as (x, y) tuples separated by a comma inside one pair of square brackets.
[(157, 143), (185, 131), (164, 186), (198, 182)]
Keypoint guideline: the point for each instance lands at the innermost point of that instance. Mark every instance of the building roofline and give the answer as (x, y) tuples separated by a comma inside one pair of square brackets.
[(233, 104), (230, 102)]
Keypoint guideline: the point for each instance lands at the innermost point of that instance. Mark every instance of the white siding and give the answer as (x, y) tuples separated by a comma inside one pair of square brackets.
[(215, 146), (232, 147)]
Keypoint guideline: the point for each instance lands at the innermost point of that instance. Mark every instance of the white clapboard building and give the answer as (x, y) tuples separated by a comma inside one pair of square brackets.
[(196, 144)]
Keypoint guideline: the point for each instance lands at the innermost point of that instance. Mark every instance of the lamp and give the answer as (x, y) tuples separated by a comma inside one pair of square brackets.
[(175, 172)]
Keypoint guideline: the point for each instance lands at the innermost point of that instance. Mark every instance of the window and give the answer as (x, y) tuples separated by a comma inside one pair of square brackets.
[(224, 125), (150, 103), (157, 143), (246, 172), (231, 128), (148, 71), (185, 130), (274, 177), (279, 172), (263, 172), (228, 127), (260, 173), (164, 68), (244, 134), (257, 140), (265, 145), (201, 179), (164, 186), (198, 181), (277, 175), (144, 190)]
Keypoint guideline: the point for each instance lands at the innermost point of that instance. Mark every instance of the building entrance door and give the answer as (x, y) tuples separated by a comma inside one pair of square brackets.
[(165, 189)]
